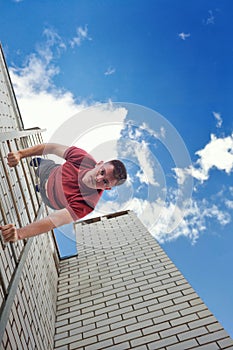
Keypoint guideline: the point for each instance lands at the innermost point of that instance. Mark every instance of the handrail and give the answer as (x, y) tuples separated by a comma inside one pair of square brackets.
[(10, 290), (17, 134)]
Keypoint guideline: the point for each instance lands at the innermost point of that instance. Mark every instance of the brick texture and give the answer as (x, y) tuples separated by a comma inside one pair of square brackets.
[(33, 305), (123, 292)]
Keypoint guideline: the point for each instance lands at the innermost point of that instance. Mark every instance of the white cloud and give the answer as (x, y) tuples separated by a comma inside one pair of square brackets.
[(101, 136), (161, 134), (231, 190), (222, 217), (40, 102), (81, 35), (110, 71), (229, 204), (142, 176), (140, 154), (184, 36), (218, 118), (38, 71), (181, 175), (217, 154), (35, 76), (144, 157), (158, 217)]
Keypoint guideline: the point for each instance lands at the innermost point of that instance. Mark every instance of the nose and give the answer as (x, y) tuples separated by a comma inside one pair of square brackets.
[(99, 178)]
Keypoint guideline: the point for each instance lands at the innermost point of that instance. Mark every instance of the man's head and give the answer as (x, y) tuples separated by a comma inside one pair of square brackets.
[(106, 175)]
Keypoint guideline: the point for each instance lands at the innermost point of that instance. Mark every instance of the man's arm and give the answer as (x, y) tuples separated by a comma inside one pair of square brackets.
[(14, 158), (11, 234)]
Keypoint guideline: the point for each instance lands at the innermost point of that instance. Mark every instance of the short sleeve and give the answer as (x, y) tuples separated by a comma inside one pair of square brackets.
[(74, 154), (77, 156)]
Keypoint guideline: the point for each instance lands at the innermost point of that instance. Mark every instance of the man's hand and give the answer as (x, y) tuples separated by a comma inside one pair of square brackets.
[(9, 233), (13, 158)]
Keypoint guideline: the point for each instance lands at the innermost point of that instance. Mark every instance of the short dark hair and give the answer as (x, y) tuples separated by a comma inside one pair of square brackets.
[(119, 171)]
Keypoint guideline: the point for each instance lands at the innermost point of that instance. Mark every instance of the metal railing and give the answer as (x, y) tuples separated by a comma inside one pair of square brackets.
[(19, 204)]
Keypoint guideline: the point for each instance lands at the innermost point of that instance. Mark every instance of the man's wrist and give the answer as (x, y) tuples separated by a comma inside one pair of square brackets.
[(20, 233), (20, 154)]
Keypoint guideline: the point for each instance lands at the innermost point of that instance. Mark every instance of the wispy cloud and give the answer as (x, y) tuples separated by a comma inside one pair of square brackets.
[(110, 71), (81, 35), (40, 101), (210, 18), (53, 40), (160, 134), (195, 220), (184, 36), (136, 148), (38, 70), (231, 190), (158, 216), (140, 153), (146, 163), (229, 204), (142, 176), (218, 118)]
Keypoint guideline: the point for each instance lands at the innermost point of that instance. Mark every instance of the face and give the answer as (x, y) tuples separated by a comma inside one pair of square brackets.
[(101, 177)]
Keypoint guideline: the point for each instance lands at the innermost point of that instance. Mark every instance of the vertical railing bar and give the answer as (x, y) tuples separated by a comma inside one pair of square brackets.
[(26, 179), (20, 185), (8, 208), (10, 189), (25, 143), (4, 221), (34, 141), (12, 248), (4, 288)]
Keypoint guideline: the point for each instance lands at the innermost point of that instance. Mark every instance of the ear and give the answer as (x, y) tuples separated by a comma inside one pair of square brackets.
[(99, 163)]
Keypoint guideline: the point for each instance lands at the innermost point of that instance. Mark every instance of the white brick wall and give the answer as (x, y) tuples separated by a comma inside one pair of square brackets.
[(129, 296), (27, 307), (32, 317)]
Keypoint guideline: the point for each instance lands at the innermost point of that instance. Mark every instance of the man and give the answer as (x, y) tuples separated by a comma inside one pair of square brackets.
[(72, 189)]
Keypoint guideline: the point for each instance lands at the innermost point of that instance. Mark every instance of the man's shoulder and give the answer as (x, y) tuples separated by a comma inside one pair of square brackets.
[(78, 155), (74, 151)]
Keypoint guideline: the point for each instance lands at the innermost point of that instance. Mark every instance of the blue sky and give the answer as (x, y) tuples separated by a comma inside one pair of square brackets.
[(173, 58)]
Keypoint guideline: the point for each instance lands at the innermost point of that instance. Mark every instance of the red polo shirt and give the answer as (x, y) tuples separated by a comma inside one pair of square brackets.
[(65, 188)]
